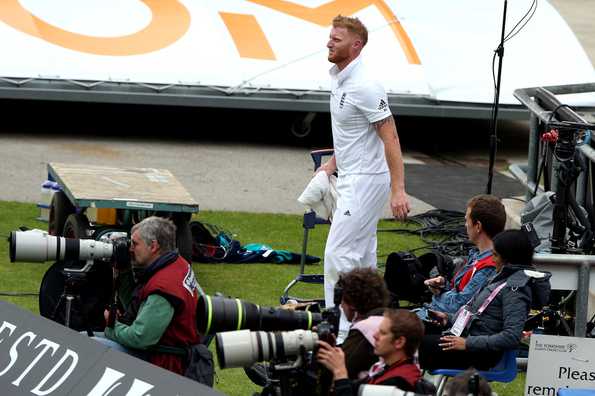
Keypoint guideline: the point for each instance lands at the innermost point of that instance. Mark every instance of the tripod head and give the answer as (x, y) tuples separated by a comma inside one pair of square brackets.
[(567, 136)]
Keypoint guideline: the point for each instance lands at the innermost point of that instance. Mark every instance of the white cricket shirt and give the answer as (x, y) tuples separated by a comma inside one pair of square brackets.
[(357, 101)]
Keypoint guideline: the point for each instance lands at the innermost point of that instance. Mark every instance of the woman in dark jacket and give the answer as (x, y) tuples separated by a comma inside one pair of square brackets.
[(496, 314)]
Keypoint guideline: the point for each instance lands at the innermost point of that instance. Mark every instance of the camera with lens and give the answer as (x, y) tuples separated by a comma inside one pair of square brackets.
[(290, 366), (74, 291), (39, 246), (216, 314), (286, 340)]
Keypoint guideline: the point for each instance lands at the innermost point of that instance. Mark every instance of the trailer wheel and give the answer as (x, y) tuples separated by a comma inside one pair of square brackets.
[(77, 226), (60, 209)]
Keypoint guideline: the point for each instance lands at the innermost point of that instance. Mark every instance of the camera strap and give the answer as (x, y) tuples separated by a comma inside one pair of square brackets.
[(171, 350)]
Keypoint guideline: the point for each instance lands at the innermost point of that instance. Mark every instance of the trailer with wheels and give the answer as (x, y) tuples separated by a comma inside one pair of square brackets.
[(92, 201), (95, 198)]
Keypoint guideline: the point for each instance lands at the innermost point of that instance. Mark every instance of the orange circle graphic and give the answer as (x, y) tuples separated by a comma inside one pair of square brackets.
[(170, 21)]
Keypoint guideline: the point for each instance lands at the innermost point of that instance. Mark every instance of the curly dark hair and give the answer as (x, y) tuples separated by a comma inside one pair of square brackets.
[(364, 289)]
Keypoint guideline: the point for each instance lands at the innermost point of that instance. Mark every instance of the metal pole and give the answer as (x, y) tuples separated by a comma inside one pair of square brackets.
[(68, 308), (304, 251), (533, 155), (582, 300), (494, 123)]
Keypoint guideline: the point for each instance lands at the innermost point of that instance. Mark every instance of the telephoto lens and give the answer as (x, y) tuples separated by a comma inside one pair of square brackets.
[(243, 348), (216, 314), (39, 246)]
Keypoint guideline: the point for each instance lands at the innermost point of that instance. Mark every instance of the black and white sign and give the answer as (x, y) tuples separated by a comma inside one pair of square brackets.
[(559, 362), (40, 357)]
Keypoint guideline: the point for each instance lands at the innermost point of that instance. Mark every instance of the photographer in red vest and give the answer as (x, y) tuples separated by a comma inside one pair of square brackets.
[(159, 294), (395, 343)]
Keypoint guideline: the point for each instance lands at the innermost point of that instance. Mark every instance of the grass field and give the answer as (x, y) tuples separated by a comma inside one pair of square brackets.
[(259, 283)]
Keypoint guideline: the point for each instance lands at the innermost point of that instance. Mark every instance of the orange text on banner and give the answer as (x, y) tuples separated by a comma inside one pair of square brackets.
[(248, 36), (170, 21), (324, 14)]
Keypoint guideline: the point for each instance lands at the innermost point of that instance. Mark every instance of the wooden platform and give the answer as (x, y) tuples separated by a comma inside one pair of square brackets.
[(122, 188)]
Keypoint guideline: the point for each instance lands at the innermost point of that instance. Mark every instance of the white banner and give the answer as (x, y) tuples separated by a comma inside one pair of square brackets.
[(559, 362), (441, 49)]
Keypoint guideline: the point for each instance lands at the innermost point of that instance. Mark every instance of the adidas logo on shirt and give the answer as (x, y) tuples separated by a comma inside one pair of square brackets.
[(347, 213), (382, 105)]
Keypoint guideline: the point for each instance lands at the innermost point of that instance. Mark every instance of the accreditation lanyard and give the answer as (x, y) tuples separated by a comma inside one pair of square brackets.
[(464, 315)]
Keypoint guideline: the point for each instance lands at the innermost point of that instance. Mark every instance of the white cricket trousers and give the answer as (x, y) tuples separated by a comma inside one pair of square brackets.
[(351, 241)]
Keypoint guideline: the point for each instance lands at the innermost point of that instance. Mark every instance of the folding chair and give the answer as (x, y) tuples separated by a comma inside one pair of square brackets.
[(504, 371), (309, 222), (576, 392)]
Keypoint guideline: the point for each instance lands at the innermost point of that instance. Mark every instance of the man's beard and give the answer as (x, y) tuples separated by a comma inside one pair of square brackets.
[(336, 57)]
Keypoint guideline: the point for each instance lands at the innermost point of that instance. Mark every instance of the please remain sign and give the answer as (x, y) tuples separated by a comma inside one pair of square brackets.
[(559, 362)]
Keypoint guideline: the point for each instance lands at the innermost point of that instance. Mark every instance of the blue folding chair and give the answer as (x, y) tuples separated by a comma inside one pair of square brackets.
[(504, 371), (309, 222), (576, 392)]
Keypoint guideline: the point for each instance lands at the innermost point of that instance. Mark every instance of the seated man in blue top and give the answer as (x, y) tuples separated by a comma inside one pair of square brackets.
[(485, 218)]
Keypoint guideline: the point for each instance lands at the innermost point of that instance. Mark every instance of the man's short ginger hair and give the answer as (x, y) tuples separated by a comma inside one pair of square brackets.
[(353, 25), (488, 210)]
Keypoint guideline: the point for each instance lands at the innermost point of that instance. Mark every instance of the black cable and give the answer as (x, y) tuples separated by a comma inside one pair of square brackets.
[(449, 224), (517, 199), (555, 111), (531, 10), (18, 294)]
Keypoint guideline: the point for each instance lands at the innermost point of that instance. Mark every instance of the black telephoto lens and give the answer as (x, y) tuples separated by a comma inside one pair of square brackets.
[(216, 314)]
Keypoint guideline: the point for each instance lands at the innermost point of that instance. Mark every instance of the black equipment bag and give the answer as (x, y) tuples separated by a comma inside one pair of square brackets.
[(437, 264), (200, 365), (405, 274), (199, 361)]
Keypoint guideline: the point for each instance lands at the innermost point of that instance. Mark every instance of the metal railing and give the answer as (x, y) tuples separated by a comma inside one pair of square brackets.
[(569, 271)]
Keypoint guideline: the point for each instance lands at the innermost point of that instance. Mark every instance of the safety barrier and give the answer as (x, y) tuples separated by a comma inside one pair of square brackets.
[(541, 102), (570, 271)]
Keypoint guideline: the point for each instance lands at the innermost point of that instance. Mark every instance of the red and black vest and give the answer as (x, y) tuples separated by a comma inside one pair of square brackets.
[(405, 370), (176, 283), (485, 262)]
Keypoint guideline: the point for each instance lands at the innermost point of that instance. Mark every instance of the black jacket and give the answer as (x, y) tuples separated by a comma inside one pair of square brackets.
[(500, 326)]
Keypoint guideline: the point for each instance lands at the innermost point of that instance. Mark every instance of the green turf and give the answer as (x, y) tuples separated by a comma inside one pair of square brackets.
[(259, 283)]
